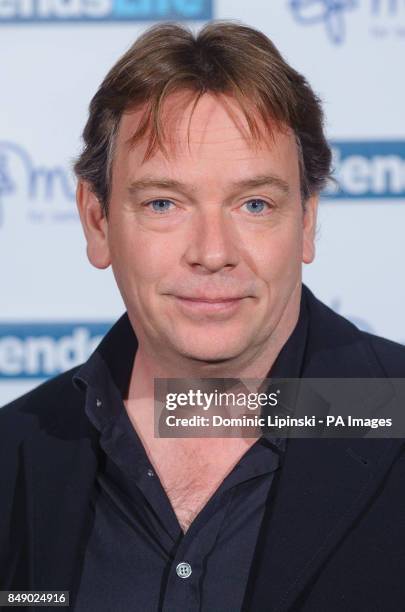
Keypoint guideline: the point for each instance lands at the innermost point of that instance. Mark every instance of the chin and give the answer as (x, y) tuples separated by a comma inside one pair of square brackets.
[(209, 358), (208, 352)]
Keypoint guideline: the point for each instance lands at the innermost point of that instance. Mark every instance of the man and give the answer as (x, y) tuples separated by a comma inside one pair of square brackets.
[(199, 184)]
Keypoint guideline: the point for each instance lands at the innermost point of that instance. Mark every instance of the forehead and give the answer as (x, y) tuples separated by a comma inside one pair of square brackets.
[(214, 130)]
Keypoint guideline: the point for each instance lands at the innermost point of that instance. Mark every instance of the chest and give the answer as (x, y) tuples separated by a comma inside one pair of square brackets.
[(190, 469), (188, 493), (190, 478)]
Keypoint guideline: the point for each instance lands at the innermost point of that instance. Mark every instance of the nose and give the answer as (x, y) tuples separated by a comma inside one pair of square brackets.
[(212, 244)]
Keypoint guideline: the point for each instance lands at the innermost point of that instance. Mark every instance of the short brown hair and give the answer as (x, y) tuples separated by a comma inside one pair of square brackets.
[(223, 58)]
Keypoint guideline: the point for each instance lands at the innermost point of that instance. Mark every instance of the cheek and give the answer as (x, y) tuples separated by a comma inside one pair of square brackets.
[(140, 258), (276, 255)]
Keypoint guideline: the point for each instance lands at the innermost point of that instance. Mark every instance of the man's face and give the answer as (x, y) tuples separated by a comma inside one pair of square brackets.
[(206, 243)]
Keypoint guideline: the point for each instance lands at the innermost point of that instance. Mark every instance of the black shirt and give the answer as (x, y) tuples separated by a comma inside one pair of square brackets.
[(137, 557)]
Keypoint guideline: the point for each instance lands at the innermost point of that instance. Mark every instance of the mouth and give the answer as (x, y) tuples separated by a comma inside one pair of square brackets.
[(209, 305)]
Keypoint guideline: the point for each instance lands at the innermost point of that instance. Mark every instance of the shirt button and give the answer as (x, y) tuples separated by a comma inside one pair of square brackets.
[(183, 570), (150, 472), (98, 403)]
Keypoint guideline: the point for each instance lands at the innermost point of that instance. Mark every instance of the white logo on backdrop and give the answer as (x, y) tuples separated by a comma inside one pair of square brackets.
[(330, 13), (45, 192), (382, 18)]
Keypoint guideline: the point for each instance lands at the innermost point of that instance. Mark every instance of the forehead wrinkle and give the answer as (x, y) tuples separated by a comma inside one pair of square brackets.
[(183, 138), (178, 149)]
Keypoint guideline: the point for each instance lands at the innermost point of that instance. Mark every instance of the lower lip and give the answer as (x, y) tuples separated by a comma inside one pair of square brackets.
[(203, 307)]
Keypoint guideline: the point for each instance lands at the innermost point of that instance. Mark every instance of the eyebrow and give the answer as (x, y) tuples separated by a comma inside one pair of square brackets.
[(260, 180)]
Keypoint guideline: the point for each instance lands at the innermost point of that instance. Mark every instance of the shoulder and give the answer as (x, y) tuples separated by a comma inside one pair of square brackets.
[(345, 345), (390, 354), (40, 408)]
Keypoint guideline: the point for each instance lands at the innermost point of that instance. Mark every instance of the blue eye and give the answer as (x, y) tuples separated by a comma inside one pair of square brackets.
[(159, 206), (256, 206)]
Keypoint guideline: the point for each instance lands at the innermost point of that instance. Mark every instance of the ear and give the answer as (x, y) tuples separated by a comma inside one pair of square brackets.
[(95, 226), (309, 229)]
